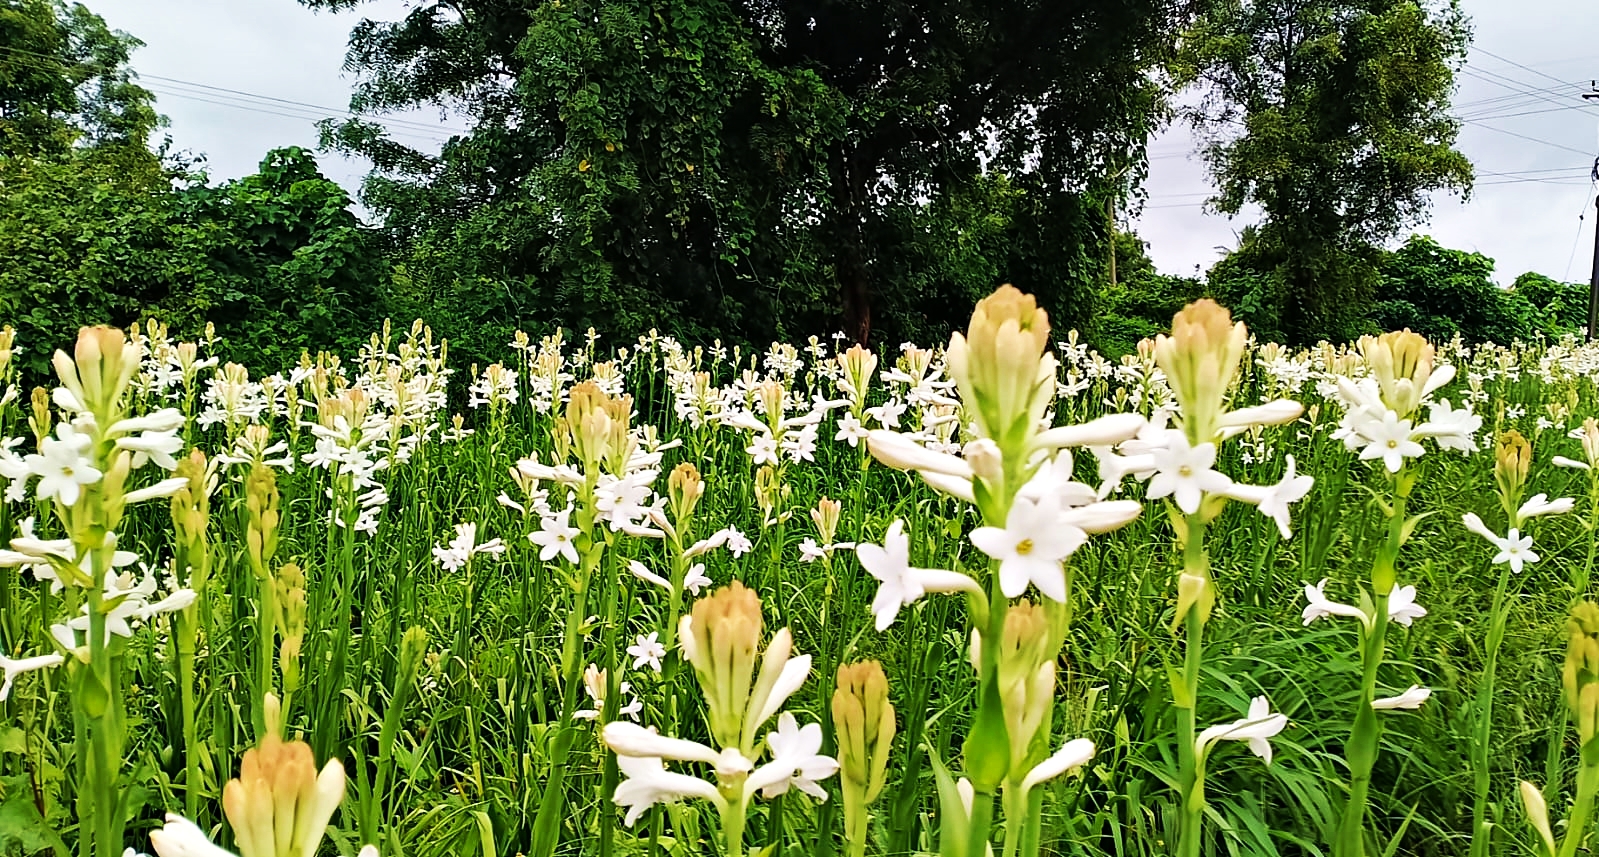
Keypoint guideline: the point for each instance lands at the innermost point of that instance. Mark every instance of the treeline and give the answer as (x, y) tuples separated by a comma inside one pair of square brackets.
[(750, 171)]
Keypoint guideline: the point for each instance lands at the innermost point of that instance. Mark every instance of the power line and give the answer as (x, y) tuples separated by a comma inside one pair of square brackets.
[(390, 122), (1488, 53), (1479, 124)]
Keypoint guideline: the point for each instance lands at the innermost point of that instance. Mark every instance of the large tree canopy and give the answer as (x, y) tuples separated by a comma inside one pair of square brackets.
[(758, 168), (1333, 117), (65, 81)]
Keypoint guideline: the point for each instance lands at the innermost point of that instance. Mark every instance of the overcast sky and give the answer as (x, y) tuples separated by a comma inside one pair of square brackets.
[(238, 77)]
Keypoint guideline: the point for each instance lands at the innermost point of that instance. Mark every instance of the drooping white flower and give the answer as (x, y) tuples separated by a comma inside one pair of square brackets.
[(648, 783), (1451, 428), (180, 837), (1290, 489), (1319, 606), (1256, 728), (1540, 504), (1410, 700), (900, 584), (555, 535), (647, 649), (1562, 461), (1071, 755), (1185, 473), (1031, 547), (13, 668), (1514, 549), (461, 548)]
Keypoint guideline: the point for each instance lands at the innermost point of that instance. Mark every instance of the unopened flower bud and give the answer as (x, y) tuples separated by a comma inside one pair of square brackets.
[(1002, 367), (986, 460), (825, 516), (1580, 677), (1512, 462), (1402, 364), (1590, 441), (720, 637), (863, 719), (39, 415), (1537, 810), (1200, 360), (280, 805), (684, 488), (859, 364), (1194, 590)]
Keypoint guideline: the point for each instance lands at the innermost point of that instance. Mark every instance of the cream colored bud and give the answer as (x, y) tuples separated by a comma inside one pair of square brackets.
[(279, 806), (1512, 463), (1590, 441), (1537, 810), (684, 488), (1002, 368), (1402, 363), (986, 460), (858, 365), (1200, 359), (863, 718), (721, 640), (825, 516)]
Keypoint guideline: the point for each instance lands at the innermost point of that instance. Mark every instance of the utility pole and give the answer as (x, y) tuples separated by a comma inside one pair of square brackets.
[(1593, 277)]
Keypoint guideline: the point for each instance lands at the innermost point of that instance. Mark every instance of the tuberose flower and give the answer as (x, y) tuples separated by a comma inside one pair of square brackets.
[(899, 583)]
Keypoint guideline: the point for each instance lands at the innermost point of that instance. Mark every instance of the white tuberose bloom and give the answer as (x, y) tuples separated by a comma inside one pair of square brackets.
[(555, 537), (1540, 504), (647, 649), (1389, 439), (1319, 606), (649, 783), (181, 838), (1255, 728), (1185, 473), (1514, 549), (1073, 754), (63, 465), (796, 753), (899, 584), (13, 668), (1410, 700), (1031, 546)]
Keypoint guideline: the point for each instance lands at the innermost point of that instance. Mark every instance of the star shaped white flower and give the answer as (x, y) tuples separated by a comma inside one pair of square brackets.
[(762, 450), (1290, 489), (1389, 439), (797, 749), (850, 430), (63, 465), (1031, 547), (1514, 549), (1185, 473), (555, 536), (647, 649), (899, 584), (1402, 606)]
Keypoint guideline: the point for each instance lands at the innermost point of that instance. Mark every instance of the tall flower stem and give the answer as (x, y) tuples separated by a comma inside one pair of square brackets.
[(1361, 750), (1190, 774), (547, 824), (1577, 824), (1480, 836)]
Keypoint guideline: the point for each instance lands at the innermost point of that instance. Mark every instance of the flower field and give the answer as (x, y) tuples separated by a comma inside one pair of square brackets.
[(1218, 597)]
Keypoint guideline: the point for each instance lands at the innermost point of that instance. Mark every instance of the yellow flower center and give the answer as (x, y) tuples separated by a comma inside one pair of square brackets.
[(1393, 444), (1024, 547), (1185, 471)]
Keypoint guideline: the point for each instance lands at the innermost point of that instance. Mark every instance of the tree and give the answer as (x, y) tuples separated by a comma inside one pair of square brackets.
[(1333, 117), (1439, 293), (1556, 309), (65, 81), (755, 168)]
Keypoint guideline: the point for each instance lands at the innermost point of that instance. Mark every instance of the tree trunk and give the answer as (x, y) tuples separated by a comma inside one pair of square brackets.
[(849, 260)]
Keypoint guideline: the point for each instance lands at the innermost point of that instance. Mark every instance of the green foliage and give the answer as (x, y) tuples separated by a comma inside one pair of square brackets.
[(1333, 117), (276, 260), (1141, 302), (1441, 293), (743, 170), (65, 81), (1555, 308)]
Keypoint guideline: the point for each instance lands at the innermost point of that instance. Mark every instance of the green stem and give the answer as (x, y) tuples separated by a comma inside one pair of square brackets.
[(1480, 836), (1577, 826), (191, 738), (1191, 775), (982, 820)]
